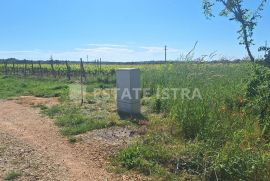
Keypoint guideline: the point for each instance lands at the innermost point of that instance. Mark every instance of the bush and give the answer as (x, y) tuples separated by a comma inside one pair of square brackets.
[(267, 55), (258, 96)]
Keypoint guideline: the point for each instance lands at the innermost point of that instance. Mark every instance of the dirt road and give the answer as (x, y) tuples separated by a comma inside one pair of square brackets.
[(32, 144)]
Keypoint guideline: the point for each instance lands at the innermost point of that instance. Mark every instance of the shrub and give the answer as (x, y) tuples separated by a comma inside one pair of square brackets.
[(258, 96), (267, 55)]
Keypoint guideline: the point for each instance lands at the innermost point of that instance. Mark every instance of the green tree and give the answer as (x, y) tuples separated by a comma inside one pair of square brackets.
[(235, 11), (267, 53)]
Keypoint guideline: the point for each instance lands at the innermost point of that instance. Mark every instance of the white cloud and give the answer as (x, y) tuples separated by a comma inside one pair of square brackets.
[(18, 51), (107, 52), (106, 45), (155, 49)]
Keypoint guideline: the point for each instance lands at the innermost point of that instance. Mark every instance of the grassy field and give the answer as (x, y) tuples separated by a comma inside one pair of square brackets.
[(16, 86), (221, 136), (222, 133)]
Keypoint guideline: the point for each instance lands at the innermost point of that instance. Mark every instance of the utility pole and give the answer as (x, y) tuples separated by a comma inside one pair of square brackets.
[(166, 53), (87, 58)]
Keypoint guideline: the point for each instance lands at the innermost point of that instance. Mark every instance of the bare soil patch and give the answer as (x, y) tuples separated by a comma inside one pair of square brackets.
[(24, 128), (35, 101), (16, 156)]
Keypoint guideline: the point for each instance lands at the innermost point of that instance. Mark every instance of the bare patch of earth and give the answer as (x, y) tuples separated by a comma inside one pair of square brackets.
[(32, 145)]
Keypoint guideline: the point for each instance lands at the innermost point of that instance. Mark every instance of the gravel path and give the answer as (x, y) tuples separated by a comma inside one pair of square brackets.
[(32, 145), (16, 156)]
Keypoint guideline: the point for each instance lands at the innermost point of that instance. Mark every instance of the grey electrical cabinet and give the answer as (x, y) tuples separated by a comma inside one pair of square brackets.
[(128, 90)]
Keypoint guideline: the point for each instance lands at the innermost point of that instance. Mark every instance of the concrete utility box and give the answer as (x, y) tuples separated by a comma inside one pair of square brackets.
[(128, 90)]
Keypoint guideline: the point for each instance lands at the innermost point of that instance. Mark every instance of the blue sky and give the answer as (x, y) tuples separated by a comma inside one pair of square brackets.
[(118, 30)]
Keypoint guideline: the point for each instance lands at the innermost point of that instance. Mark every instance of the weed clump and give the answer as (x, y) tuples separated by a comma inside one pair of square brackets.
[(12, 175)]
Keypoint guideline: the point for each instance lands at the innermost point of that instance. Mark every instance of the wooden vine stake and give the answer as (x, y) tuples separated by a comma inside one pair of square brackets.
[(68, 70), (25, 67), (6, 69), (40, 69), (13, 67), (52, 67), (32, 67), (81, 75)]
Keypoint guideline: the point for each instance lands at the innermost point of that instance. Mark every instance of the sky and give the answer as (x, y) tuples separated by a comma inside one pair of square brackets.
[(119, 30)]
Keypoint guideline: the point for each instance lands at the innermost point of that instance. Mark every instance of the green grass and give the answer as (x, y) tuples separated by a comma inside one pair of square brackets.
[(216, 137), (12, 175), (17, 86), (74, 119), (223, 136)]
